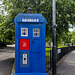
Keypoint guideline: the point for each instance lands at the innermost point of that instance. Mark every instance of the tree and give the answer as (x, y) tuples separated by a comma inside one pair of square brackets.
[(73, 37), (2, 40), (67, 38), (65, 15)]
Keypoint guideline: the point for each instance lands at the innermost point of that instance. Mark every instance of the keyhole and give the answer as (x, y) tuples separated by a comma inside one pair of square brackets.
[(24, 58)]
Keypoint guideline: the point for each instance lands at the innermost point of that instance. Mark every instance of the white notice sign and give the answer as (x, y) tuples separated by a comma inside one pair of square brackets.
[(24, 58), (30, 20)]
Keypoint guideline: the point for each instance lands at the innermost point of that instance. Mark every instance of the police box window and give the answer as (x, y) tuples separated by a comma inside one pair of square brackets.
[(36, 32), (24, 31)]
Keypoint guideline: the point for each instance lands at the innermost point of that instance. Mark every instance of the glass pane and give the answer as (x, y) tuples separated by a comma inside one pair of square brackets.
[(24, 31), (36, 32)]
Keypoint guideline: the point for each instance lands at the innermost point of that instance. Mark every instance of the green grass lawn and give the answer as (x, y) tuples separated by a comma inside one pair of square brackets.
[(48, 54), (58, 47), (62, 46)]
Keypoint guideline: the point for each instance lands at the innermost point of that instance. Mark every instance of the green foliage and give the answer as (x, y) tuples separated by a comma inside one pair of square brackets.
[(64, 15), (66, 38), (1, 27), (73, 37)]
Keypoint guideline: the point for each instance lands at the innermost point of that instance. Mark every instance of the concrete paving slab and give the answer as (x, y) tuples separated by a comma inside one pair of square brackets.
[(67, 67), (7, 56)]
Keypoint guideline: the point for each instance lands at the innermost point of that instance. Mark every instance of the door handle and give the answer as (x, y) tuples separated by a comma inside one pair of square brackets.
[(32, 41)]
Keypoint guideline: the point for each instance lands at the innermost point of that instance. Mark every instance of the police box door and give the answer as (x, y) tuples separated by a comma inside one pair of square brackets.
[(36, 48)]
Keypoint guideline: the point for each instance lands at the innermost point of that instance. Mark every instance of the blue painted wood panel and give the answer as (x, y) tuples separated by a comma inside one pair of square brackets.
[(36, 51)]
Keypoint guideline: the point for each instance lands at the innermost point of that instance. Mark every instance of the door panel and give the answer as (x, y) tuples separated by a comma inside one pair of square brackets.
[(36, 62), (24, 48), (36, 45), (36, 49)]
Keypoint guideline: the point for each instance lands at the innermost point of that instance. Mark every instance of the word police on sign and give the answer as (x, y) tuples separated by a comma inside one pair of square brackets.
[(30, 20)]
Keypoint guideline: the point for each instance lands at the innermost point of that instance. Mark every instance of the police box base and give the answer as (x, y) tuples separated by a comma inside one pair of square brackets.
[(30, 74)]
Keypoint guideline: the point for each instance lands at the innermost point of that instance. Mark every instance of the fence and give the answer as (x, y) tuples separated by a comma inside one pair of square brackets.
[(60, 53), (48, 59)]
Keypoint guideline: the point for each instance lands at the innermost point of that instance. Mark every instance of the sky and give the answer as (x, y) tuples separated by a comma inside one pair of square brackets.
[(0, 2), (71, 29), (1, 5)]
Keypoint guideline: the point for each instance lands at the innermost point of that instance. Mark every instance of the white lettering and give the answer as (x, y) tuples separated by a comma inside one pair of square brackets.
[(22, 19), (34, 20), (30, 20), (37, 20), (25, 20)]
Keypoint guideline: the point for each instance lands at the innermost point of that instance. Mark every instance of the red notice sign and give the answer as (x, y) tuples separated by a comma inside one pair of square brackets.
[(24, 44)]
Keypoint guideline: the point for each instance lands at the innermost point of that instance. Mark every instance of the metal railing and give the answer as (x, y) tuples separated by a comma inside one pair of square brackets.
[(60, 53), (63, 51), (48, 59)]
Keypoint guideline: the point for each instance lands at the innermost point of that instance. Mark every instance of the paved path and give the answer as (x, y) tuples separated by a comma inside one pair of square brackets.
[(67, 67), (7, 56)]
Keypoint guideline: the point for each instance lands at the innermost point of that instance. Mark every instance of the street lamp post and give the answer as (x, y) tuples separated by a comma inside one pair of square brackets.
[(54, 39)]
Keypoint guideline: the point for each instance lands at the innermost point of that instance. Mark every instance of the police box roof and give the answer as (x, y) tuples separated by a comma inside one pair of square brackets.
[(29, 17)]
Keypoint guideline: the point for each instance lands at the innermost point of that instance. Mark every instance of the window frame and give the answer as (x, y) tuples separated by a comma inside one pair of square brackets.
[(36, 32), (24, 31)]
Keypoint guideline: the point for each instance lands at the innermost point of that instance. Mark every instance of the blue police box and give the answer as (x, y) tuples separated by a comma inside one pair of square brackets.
[(30, 36)]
